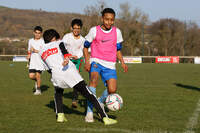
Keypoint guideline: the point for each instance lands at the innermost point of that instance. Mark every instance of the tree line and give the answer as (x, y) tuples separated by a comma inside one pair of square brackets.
[(165, 37)]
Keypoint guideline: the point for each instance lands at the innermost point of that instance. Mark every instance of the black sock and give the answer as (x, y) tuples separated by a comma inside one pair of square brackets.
[(85, 91), (58, 100), (74, 95)]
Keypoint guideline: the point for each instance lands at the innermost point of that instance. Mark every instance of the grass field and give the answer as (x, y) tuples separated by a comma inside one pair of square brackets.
[(158, 98)]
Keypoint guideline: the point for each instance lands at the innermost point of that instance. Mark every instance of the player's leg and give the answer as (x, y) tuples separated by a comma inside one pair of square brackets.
[(85, 91), (74, 80), (109, 77), (75, 98), (112, 86), (75, 92), (38, 83), (104, 95), (94, 75), (58, 99), (32, 74), (93, 83)]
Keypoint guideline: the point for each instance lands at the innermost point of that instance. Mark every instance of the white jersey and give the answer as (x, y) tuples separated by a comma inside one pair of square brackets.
[(36, 62), (73, 45), (62, 76), (92, 35)]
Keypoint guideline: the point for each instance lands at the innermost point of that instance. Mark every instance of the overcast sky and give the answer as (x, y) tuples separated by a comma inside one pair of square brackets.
[(184, 10)]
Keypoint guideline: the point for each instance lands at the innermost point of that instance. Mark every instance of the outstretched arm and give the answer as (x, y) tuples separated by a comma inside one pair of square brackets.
[(120, 58), (65, 54)]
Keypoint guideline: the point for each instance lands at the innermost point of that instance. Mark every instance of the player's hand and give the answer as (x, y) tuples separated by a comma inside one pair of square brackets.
[(34, 50), (87, 66), (28, 57), (125, 67), (65, 62)]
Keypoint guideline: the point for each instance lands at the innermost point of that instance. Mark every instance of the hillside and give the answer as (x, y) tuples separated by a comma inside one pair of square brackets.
[(16, 23)]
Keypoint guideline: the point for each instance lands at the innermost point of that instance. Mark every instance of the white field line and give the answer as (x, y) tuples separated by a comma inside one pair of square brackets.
[(115, 130), (193, 120)]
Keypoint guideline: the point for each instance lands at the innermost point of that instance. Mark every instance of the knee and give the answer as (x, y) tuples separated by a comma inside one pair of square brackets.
[(112, 90), (38, 76), (93, 82), (32, 76)]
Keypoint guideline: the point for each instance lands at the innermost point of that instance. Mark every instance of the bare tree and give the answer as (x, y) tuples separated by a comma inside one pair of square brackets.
[(94, 12), (125, 13), (131, 24), (167, 36)]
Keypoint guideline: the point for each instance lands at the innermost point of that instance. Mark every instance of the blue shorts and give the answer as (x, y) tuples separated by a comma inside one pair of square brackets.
[(105, 73)]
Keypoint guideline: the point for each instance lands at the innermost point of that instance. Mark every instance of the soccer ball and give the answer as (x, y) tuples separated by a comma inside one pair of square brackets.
[(114, 102)]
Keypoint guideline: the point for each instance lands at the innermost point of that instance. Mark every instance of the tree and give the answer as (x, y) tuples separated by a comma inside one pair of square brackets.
[(192, 42), (167, 35), (94, 12), (131, 24)]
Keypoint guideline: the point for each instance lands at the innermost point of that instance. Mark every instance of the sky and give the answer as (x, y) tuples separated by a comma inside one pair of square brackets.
[(183, 10)]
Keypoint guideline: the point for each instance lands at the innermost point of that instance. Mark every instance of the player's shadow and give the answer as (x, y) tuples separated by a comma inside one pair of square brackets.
[(82, 103), (187, 86), (44, 88), (66, 109)]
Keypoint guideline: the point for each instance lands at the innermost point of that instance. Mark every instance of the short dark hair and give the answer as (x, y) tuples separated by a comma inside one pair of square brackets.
[(50, 34), (108, 10), (77, 22), (39, 28), (57, 35)]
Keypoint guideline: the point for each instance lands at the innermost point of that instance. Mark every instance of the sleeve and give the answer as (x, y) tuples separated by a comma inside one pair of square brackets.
[(64, 50), (119, 46), (91, 35), (83, 41), (40, 52), (87, 44), (64, 39), (29, 45), (119, 36)]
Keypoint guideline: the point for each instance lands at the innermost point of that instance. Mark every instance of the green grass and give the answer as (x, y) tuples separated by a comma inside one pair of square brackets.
[(157, 98)]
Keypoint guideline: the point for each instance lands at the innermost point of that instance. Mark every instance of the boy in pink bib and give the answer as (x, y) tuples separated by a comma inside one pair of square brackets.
[(105, 42)]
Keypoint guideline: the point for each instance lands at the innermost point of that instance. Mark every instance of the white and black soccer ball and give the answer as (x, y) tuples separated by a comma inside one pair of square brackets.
[(114, 102)]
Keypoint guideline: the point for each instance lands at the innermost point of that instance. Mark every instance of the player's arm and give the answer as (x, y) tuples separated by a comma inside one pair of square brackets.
[(34, 50), (89, 38), (120, 57), (29, 51), (28, 55), (65, 54), (86, 55)]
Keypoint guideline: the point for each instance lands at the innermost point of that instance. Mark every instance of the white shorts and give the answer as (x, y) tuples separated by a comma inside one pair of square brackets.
[(67, 78), (36, 62)]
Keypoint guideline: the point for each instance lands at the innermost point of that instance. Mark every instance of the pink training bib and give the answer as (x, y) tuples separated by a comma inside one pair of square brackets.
[(104, 46)]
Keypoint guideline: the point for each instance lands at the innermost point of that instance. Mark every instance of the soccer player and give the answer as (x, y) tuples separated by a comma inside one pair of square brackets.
[(36, 65), (106, 42), (74, 43), (65, 74)]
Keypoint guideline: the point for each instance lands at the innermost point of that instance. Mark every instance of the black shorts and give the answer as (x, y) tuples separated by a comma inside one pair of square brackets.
[(34, 71)]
